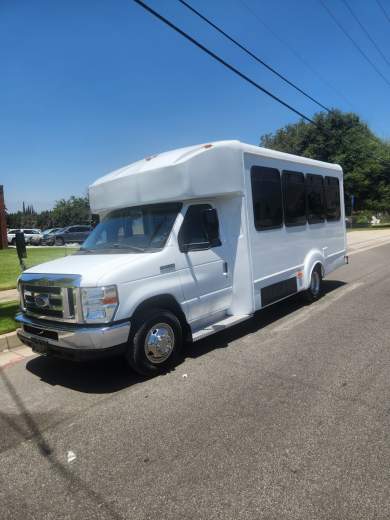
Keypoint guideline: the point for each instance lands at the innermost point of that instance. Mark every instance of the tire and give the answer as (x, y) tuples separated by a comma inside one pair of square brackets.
[(59, 241), (13, 241), (314, 291), (159, 327)]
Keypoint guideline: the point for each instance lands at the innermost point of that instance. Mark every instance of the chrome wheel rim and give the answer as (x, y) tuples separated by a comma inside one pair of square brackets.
[(159, 343), (315, 282)]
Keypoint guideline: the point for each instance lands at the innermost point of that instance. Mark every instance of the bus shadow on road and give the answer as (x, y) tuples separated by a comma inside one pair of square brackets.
[(113, 375), (91, 377), (260, 320)]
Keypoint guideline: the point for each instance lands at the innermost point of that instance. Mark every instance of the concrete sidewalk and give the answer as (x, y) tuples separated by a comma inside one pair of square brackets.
[(9, 295), (367, 238), (12, 349), (9, 357)]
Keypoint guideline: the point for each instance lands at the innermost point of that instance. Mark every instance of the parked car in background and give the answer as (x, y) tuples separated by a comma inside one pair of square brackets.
[(46, 238), (71, 234), (28, 235)]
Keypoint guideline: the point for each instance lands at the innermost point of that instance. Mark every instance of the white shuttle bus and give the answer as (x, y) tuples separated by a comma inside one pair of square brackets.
[(189, 242)]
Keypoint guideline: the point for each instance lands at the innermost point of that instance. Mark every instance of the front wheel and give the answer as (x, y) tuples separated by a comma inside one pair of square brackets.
[(59, 241), (155, 342), (315, 287)]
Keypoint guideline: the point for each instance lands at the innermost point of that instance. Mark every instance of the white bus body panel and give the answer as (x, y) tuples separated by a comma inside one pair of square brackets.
[(282, 253)]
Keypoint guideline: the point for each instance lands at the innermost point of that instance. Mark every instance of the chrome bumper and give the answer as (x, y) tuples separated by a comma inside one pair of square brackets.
[(74, 337)]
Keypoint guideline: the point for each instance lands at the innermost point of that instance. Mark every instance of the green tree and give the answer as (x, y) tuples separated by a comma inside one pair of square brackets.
[(344, 139), (72, 211)]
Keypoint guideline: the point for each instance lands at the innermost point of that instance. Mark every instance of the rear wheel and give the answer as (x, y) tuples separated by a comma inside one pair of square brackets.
[(155, 342), (315, 287)]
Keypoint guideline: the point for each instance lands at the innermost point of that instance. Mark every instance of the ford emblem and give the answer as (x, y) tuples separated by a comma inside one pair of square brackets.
[(41, 300)]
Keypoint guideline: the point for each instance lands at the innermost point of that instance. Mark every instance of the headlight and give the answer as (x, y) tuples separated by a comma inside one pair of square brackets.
[(20, 293), (99, 303)]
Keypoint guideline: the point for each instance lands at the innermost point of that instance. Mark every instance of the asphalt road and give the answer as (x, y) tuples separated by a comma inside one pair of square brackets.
[(286, 416)]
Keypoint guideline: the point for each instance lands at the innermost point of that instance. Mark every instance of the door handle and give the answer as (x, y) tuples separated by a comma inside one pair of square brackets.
[(225, 268)]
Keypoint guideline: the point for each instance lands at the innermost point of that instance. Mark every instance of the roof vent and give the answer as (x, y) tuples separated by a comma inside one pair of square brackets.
[(150, 157)]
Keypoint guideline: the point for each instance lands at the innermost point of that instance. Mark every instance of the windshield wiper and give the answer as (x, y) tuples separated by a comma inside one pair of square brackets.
[(110, 247), (118, 246)]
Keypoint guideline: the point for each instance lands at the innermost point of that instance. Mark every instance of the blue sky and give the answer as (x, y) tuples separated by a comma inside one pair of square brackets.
[(88, 86)]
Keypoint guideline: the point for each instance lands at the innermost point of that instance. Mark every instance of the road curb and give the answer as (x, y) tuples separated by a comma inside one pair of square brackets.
[(9, 341)]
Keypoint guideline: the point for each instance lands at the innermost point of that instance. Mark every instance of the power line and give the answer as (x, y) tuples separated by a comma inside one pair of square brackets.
[(365, 31), (251, 54), (220, 60), (383, 10), (354, 42), (293, 51)]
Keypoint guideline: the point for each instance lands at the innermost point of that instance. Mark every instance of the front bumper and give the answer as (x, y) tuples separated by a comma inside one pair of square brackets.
[(73, 341)]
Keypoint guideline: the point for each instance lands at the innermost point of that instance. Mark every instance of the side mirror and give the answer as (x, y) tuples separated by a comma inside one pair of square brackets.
[(211, 226)]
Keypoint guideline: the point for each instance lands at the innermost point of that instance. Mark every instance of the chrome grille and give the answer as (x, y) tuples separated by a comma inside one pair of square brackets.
[(43, 300), (51, 297)]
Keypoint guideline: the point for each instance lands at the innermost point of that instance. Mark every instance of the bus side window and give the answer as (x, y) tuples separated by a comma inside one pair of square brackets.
[(294, 198), (315, 198), (267, 198), (332, 198)]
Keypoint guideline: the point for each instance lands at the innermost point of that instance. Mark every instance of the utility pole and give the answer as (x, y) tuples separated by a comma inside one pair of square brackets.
[(3, 221)]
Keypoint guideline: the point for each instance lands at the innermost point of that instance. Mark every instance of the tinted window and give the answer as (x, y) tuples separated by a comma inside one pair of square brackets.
[(332, 198), (315, 198), (192, 232), (267, 197), (294, 198), (79, 229)]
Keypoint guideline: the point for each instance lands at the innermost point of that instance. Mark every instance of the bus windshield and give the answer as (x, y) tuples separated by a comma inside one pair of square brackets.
[(134, 229)]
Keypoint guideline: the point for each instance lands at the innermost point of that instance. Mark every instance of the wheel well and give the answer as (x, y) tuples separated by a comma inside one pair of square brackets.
[(168, 302), (319, 267)]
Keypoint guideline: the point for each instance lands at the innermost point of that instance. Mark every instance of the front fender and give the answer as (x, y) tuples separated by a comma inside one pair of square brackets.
[(132, 294)]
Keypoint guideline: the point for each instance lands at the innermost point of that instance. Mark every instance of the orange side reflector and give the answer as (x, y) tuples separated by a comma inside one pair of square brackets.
[(109, 300), (300, 274)]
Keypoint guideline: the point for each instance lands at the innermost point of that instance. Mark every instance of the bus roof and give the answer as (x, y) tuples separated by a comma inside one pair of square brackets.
[(204, 170)]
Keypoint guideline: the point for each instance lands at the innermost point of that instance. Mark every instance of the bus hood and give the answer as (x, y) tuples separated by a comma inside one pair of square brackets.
[(102, 269)]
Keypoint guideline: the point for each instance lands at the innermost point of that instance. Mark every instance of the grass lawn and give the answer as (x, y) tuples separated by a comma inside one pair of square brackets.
[(368, 228), (9, 263), (7, 314)]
